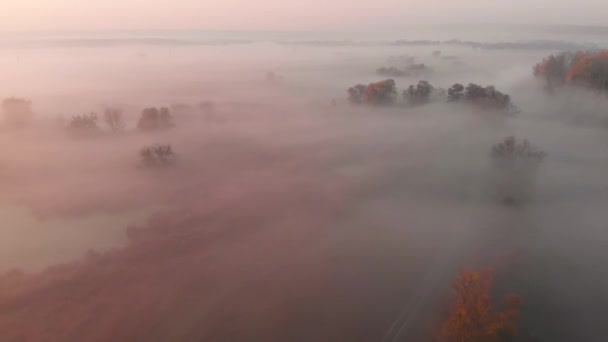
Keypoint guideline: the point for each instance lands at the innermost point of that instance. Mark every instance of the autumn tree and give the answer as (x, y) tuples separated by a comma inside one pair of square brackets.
[(17, 112), (381, 93), (472, 315), (590, 70)]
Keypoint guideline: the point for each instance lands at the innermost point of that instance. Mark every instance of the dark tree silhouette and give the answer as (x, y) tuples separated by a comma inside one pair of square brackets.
[(419, 94), (356, 94), (381, 93), (456, 93), (484, 97), (85, 124), (155, 119), (157, 155)]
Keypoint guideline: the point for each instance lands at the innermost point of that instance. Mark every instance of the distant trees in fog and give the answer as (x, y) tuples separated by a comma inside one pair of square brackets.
[(422, 93), (515, 165), (17, 112), (114, 119), (157, 155), (384, 92), (378, 93), (586, 68), (83, 124), (155, 119), (411, 70)]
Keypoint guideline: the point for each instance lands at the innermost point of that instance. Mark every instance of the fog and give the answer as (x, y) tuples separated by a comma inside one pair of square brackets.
[(289, 214)]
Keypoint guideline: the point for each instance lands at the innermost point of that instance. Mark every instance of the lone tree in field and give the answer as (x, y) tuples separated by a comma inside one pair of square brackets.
[(157, 155), (473, 317), (17, 112), (515, 166), (155, 119), (85, 124), (114, 119)]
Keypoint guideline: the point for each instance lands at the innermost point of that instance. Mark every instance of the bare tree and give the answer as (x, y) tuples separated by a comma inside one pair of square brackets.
[(114, 119)]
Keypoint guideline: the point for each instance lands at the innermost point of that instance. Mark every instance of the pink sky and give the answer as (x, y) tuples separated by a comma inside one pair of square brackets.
[(287, 14)]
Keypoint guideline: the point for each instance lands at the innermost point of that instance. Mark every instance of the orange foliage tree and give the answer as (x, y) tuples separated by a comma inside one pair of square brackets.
[(591, 69), (472, 315)]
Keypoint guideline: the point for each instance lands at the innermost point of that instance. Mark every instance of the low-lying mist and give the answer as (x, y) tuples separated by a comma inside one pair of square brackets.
[(289, 214)]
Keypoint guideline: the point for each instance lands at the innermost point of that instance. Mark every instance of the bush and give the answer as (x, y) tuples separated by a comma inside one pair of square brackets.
[(114, 119), (515, 165), (17, 112), (85, 124), (157, 155), (155, 119)]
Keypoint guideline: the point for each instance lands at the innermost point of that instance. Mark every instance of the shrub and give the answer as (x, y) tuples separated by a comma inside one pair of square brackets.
[(114, 119), (157, 155), (17, 112), (155, 119)]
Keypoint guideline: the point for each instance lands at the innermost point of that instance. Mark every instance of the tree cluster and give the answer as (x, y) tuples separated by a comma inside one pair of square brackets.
[(486, 97), (411, 70), (153, 119), (587, 68), (384, 92), (378, 93)]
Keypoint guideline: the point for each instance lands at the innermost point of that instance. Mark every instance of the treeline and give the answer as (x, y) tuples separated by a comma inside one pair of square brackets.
[(386, 93)]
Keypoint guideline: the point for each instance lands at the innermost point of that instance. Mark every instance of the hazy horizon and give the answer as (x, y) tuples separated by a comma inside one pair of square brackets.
[(288, 15)]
